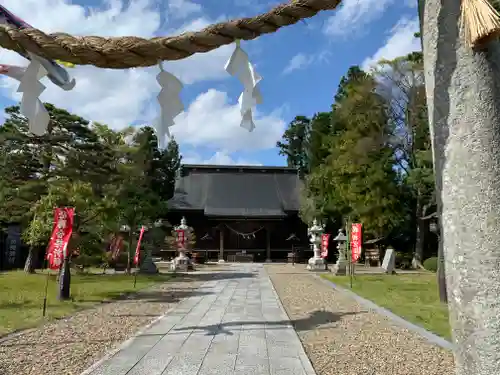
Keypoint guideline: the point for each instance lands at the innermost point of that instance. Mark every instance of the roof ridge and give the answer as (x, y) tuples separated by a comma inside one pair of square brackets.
[(236, 167)]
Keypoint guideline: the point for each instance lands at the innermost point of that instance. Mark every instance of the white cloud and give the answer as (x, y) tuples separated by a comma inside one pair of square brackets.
[(212, 121), (400, 42), (123, 97), (302, 61), (299, 61), (218, 158), (354, 15), (183, 8)]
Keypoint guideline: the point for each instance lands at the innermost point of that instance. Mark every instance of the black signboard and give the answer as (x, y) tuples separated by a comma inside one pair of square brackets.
[(12, 253)]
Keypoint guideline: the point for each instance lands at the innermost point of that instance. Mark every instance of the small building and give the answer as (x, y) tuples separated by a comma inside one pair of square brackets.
[(240, 210)]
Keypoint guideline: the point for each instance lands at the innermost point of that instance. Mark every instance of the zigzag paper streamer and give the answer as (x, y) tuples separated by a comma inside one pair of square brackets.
[(170, 103), (240, 66), (31, 106)]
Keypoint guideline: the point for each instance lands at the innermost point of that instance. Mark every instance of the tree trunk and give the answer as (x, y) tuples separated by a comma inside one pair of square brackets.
[(419, 235), (463, 97), (29, 265)]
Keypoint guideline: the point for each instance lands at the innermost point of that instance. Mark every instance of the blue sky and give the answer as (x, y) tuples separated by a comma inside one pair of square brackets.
[(301, 67)]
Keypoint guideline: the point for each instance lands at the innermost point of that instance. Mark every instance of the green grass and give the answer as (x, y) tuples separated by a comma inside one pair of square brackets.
[(21, 295), (413, 297)]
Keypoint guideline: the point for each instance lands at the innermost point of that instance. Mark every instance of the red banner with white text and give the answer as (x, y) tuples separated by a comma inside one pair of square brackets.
[(181, 239), (61, 234), (116, 246), (138, 248), (356, 242), (324, 245)]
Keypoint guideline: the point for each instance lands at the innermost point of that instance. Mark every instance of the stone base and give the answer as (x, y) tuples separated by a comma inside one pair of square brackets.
[(269, 261), (222, 261), (182, 263), (340, 269), (316, 264)]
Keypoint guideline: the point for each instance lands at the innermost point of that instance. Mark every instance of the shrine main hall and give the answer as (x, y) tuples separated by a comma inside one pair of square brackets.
[(240, 212)]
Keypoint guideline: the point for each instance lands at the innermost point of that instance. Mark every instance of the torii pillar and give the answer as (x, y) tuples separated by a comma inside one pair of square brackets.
[(463, 97)]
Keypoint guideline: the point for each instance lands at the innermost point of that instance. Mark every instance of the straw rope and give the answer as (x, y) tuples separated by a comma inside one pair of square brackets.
[(130, 51)]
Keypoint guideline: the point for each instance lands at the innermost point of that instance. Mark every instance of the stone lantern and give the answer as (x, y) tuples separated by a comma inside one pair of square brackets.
[(182, 261), (340, 267), (316, 263)]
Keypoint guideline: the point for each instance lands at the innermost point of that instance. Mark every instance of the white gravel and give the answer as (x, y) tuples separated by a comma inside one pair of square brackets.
[(343, 338), (71, 345)]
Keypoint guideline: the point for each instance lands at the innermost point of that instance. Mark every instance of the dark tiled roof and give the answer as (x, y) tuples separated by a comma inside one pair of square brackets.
[(236, 191)]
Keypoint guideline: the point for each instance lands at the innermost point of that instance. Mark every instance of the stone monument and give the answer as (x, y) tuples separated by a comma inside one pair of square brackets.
[(147, 266), (340, 267), (389, 263), (182, 261), (316, 263)]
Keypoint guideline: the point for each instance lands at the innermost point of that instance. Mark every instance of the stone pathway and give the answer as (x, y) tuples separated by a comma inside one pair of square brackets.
[(233, 325)]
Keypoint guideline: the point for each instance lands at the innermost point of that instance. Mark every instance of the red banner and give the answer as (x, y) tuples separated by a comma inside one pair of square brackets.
[(61, 234), (138, 248), (181, 238), (116, 246), (356, 241), (324, 245)]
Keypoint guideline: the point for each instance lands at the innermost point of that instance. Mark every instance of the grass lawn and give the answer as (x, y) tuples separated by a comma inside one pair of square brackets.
[(21, 295), (413, 297)]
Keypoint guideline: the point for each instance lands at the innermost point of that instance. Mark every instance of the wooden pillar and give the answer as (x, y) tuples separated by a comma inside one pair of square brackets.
[(268, 244), (221, 245)]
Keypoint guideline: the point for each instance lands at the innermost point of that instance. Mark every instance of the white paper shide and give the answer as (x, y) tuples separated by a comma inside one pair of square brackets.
[(239, 66), (31, 106), (170, 103)]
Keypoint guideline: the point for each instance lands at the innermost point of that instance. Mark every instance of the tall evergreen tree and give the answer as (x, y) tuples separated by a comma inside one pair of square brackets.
[(294, 144), (320, 130)]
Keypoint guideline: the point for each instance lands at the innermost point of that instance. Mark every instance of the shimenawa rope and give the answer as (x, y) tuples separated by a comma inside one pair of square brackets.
[(479, 21), (130, 51)]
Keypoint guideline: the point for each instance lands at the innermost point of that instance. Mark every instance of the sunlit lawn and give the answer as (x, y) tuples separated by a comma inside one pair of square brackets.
[(413, 297), (21, 295)]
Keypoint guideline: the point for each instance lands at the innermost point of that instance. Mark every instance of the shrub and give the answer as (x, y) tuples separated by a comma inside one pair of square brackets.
[(83, 261), (198, 258), (120, 261), (431, 264)]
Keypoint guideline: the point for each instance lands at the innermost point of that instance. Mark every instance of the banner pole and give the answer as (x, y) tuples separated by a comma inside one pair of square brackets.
[(44, 310), (349, 253), (137, 256)]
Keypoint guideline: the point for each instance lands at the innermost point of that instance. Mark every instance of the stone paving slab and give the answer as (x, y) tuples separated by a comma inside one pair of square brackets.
[(234, 325)]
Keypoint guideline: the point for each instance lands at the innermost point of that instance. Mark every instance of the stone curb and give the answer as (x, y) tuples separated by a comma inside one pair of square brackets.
[(429, 336), (306, 362)]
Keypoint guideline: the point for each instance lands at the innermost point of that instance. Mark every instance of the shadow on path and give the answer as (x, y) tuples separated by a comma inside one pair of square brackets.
[(315, 320), (214, 275), (160, 296)]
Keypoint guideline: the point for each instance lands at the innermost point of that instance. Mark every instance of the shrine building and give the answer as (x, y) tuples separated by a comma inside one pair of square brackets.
[(240, 212)]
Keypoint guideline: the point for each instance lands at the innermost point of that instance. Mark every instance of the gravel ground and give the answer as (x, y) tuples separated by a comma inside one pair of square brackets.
[(342, 337), (69, 346)]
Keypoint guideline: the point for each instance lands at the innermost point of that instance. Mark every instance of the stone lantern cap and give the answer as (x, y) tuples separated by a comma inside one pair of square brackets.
[(340, 236)]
